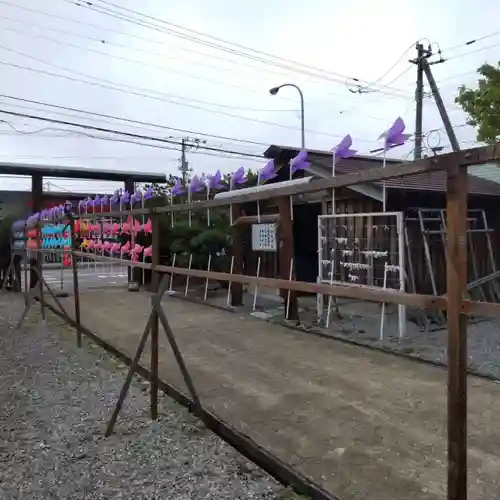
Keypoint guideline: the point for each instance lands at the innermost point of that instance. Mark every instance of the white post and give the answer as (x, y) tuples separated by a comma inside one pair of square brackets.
[(230, 205), (228, 299), (171, 213), (111, 263), (382, 314), (319, 297), (187, 277), (143, 256), (171, 284), (121, 227), (94, 220), (256, 289), (330, 298), (384, 187), (62, 264), (208, 199), (258, 202), (333, 189), (401, 264), (206, 282), (289, 293)]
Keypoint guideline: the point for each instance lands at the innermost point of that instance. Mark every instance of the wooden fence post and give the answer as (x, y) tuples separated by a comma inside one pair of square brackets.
[(456, 270), (238, 251), (286, 254)]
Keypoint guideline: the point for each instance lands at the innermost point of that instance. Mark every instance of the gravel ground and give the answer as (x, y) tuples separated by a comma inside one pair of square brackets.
[(54, 403), (360, 322), (483, 339)]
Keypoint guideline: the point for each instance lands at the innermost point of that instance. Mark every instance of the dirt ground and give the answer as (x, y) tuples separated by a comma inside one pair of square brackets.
[(363, 424)]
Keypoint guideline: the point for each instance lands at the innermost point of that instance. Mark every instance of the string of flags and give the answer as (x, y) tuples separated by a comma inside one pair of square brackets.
[(393, 137)]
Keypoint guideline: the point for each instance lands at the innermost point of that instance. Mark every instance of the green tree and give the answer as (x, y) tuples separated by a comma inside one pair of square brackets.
[(483, 103)]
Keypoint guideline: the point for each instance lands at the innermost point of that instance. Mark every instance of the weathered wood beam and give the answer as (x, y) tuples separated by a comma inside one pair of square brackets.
[(456, 291), (468, 157), (254, 219), (463, 158), (357, 292)]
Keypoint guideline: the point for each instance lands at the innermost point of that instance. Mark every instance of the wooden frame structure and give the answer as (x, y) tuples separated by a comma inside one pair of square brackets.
[(455, 302)]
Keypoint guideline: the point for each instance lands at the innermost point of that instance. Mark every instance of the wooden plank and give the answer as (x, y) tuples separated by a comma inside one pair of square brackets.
[(436, 163), (238, 252), (456, 284), (469, 157), (286, 256), (430, 302), (254, 219), (155, 282)]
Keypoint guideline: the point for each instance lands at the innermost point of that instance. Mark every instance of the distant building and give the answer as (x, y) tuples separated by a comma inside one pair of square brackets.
[(18, 204)]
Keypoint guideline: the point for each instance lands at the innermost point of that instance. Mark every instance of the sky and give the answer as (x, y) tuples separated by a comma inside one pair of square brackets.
[(202, 70)]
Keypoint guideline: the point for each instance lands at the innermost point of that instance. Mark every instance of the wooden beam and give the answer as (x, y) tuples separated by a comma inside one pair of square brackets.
[(154, 342), (286, 256), (254, 219), (463, 158), (456, 284), (37, 205), (470, 157), (129, 186), (238, 252), (356, 292)]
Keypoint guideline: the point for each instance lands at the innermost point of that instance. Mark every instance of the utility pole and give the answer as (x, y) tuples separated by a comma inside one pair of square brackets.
[(184, 168), (187, 143), (419, 98), (456, 210), (424, 68), (440, 104)]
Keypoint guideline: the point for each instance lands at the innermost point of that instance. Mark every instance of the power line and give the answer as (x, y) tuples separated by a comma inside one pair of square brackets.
[(125, 134), (456, 56), (142, 89), (131, 121), (51, 157), (128, 59), (129, 35), (160, 68), (145, 39), (255, 120), (357, 105), (275, 60), (234, 156), (380, 78), (472, 41)]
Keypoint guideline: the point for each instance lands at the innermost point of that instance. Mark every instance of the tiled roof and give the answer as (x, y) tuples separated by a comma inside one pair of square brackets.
[(433, 181)]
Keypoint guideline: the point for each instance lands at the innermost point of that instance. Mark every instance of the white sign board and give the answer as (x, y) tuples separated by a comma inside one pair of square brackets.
[(264, 237)]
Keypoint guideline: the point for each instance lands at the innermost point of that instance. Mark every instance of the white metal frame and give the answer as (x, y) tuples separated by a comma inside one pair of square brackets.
[(401, 264)]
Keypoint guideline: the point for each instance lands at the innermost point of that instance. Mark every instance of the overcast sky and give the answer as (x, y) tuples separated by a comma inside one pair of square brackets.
[(152, 72)]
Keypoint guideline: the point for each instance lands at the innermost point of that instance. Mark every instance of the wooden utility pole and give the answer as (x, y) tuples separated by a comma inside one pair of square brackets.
[(440, 105), (184, 168), (419, 99), (456, 290)]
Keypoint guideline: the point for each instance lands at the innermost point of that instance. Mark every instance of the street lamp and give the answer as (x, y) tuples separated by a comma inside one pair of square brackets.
[(275, 90)]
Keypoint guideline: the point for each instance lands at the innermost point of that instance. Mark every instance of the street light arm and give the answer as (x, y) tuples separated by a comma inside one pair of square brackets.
[(275, 90)]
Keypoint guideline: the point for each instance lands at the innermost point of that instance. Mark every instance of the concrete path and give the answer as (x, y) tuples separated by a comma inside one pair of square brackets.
[(363, 424)]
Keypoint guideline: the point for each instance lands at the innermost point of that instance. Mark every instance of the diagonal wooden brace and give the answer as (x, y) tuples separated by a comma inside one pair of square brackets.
[(135, 361), (175, 349)]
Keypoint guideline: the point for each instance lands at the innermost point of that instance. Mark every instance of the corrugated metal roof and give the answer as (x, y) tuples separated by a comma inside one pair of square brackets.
[(483, 179), (488, 171)]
